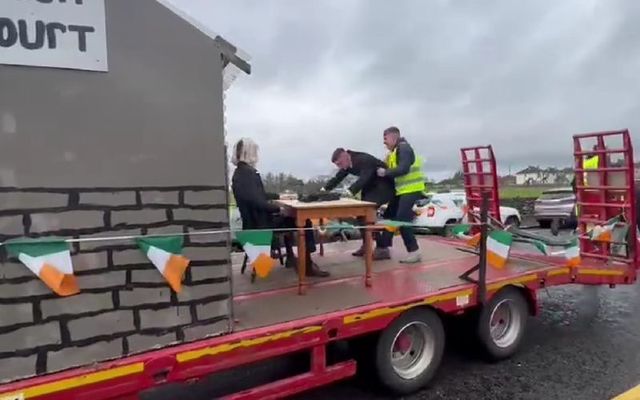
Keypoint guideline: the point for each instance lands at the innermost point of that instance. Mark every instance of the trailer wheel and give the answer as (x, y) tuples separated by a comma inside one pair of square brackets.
[(502, 323), (409, 351)]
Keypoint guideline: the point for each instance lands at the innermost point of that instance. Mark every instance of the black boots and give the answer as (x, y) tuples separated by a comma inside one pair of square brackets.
[(313, 269), (359, 252)]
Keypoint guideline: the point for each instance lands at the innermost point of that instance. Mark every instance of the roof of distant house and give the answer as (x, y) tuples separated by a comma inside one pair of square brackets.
[(529, 170), (551, 170)]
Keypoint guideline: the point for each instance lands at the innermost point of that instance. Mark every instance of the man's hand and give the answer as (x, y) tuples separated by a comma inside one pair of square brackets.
[(382, 172)]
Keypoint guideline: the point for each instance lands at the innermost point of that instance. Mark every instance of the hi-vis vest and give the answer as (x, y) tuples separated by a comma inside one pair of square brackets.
[(413, 181), (590, 163)]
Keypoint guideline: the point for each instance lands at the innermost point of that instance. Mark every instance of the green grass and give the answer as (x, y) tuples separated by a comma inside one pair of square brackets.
[(523, 192)]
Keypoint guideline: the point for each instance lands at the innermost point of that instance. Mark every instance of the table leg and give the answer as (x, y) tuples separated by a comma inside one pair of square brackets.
[(302, 258), (368, 255), (321, 239)]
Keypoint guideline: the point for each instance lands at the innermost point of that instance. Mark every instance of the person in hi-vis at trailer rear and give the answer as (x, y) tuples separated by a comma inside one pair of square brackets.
[(405, 167)]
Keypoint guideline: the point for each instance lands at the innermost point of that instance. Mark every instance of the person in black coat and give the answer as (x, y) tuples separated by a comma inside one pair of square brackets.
[(379, 190), (257, 212)]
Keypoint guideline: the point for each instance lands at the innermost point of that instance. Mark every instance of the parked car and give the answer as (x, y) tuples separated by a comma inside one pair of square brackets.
[(555, 204), (437, 210)]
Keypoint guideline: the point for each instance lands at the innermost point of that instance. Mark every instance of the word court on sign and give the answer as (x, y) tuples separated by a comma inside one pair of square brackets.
[(12, 33), (57, 33)]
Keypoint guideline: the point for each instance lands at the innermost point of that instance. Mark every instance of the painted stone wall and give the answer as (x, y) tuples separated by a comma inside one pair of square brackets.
[(125, 305), (136, 150)]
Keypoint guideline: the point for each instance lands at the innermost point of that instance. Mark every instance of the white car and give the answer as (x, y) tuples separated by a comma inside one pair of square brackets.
[(437, 210)]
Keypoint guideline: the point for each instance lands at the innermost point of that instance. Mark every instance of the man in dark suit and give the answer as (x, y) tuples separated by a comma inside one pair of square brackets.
[(257, 212), (379, 190)]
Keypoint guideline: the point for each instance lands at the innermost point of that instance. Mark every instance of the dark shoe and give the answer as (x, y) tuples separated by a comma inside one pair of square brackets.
[(381, 254), (314, 270), (291, 262), (359, 252)]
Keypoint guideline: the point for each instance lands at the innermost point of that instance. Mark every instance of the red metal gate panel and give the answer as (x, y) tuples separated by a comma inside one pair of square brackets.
[(480, 176), (605, 192)]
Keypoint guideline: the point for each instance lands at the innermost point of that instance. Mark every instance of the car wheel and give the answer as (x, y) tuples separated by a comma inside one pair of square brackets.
[(555, 226), (544, 224), (448, 228), (512, 221)]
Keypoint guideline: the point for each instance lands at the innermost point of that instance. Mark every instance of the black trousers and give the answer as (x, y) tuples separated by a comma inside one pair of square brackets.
[(401, 209), (376, 198), (280, 222)]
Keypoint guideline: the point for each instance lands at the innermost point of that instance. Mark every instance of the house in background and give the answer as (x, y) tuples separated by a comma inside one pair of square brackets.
[(534, 175), (508, 180)]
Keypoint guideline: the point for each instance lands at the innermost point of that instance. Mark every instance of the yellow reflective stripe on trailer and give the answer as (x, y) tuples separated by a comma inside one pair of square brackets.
[(381, 312), (227, 347), (602, 272), (515, 281), (72, 383), (559, 271)]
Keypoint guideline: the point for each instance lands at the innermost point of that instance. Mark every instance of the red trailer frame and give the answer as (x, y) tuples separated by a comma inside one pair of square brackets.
[(127, 377)]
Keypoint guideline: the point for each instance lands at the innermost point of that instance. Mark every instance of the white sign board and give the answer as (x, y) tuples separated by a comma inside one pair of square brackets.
[(54, 33)]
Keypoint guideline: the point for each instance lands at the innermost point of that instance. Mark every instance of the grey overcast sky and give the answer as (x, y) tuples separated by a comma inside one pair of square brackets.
[(520, 75)]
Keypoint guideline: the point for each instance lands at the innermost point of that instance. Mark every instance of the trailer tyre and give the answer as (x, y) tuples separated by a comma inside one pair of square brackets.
[(502, 323), (409, 351)]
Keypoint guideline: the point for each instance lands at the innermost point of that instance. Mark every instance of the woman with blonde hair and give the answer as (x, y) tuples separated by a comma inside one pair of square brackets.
[(257, 212)]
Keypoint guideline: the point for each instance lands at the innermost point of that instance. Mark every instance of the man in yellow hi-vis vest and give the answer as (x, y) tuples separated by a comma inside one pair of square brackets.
[(406, 169), (590, 162)]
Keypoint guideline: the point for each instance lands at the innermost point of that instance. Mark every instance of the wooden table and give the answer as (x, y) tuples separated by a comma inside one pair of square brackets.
[(325, 210)]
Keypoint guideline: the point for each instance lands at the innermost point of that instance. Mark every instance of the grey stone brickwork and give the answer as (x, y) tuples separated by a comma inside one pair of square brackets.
[(125, 306)]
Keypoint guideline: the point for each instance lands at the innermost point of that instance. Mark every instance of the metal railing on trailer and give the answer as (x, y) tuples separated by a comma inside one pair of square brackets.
[(605, 192), (480, 177)]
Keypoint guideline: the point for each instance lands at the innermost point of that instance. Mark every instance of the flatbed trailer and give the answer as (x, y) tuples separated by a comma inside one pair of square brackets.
[(394, 325)]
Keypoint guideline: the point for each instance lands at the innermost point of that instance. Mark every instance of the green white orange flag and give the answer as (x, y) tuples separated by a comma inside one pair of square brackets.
[(498, 248), (50, 260), (544, 249), (572, 253), (462, 232), (165, 253), (257, 247), (604, 233)]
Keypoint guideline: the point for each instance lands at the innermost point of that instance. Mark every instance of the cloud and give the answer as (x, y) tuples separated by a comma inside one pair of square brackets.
[(522, 76)]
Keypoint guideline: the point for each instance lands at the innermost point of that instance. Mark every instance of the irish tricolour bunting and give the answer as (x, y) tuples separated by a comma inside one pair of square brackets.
[(50, 260), (572, 253), (257, 247), (498, 247), (604, 233), (165, 253), (462, 232)]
